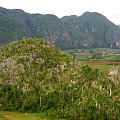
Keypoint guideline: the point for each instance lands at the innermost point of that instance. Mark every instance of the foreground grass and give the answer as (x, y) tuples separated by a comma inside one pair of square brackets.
[(21, 116)]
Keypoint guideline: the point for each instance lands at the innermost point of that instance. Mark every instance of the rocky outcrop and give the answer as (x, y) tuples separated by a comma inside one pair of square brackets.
[(114, 75)]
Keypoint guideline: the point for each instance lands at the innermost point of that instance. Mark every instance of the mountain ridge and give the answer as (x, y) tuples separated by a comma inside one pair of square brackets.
[(91, 29)]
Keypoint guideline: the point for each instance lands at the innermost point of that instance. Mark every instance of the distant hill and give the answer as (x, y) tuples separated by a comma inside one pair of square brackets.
[(69, 32)]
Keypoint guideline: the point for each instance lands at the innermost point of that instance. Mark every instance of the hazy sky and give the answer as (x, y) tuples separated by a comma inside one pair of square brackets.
[(109, 8)]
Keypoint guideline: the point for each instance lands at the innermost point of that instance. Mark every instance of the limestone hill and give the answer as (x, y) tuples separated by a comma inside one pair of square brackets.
[(37, 77)]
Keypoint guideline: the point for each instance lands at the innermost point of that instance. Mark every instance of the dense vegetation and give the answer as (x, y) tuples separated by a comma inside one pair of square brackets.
[(37, 77), (69, 32)]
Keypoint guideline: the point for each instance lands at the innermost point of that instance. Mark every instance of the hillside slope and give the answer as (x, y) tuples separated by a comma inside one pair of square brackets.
[(69, 32), (29, 58), (96, 30), (37, 77)]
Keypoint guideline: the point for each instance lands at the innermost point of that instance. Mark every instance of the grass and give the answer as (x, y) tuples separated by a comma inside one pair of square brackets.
[(21, 116), (96, 54), (102, 68)]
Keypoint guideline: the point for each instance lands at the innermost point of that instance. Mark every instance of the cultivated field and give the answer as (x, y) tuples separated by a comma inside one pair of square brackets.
[(102, 66), (96, 54), (102, 59)]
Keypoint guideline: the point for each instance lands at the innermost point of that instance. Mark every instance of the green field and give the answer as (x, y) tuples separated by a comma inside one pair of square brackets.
[(96, 54), (101, 67), (21, 116)]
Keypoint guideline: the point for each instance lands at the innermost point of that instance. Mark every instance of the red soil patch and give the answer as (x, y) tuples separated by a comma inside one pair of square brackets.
[(101, 63)]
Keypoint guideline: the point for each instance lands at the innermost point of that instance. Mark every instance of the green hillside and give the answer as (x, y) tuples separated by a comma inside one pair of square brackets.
[(96, 30), (36, 77), (70, 32)]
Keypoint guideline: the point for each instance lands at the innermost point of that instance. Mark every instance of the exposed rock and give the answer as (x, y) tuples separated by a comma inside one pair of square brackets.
[(114, 75)]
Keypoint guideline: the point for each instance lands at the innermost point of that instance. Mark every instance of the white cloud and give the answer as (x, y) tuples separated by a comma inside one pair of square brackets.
[(109, 8)]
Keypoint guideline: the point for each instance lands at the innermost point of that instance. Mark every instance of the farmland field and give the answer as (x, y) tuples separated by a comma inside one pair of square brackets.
[(96, 54), (102, 66), (98, 58)]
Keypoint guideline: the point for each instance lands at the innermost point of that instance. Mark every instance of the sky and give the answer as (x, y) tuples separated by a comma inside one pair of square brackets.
[(60, 8)]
